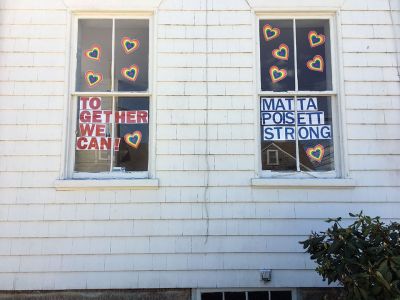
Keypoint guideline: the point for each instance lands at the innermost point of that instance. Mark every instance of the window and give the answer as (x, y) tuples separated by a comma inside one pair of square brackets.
[(248, 295), (297, 97), (111, 98)]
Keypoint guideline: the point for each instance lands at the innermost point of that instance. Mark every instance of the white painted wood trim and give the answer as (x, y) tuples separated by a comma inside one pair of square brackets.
[(112, 184), (303, 183), (295, 5), (68, 159), (115, 5), (336, 94), (341, 100)]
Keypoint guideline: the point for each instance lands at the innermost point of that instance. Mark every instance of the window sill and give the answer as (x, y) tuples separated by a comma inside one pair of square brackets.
[(106, 184), (329, 183)]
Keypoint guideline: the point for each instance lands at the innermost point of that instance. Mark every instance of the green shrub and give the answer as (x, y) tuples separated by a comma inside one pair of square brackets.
[(363, 257)]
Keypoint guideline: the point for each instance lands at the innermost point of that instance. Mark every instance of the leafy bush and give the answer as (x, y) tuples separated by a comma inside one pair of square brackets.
[(363, 257)]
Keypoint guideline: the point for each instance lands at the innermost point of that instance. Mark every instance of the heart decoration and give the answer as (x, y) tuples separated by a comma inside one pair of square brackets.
[(282, 52), (316, 153), (129, 45), (131, 73), (270, 33), (316, 64), (94, 52), (93, 78), (277, 74), (133, 139), (316, 39)]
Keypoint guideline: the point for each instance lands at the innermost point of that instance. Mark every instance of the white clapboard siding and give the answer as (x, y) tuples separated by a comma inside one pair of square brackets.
[(184, 234)]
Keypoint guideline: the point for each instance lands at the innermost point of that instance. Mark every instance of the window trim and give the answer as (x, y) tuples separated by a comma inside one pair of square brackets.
[(336, 94), (196, 293), (68, 154)]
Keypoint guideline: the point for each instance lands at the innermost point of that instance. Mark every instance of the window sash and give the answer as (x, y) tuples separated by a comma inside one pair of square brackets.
[(113, 17), (333, 94), (73, 95), (329, 18)]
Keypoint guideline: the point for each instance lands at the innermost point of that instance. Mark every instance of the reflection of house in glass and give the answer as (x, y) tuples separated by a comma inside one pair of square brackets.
[(276, 158)]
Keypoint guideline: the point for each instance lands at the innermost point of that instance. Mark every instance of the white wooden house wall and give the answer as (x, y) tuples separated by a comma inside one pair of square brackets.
[(182, 234)]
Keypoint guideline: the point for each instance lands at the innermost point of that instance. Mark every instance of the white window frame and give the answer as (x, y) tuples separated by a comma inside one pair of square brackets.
[(72, 96), (196, 294), (335, 95)]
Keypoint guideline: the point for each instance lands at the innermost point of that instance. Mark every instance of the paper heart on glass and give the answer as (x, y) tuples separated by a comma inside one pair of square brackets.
[(270, 33), (94, 52), (277, 74), (316, 64), (316, 153), (282, 52), (133, 139), (316, 39), (93, 78), (131, 73), (129, 45)]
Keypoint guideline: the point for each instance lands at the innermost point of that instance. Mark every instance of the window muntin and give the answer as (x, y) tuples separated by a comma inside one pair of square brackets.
[(112, 109), (303, 133)]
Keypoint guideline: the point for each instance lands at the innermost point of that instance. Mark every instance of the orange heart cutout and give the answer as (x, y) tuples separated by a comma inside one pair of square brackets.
[(282, 52), (131, 73), (277, 74), (93, 78), (129, 45), (316, 153), (94, 52), (316, 39), (133, 139), (316, 64), (270, 33)]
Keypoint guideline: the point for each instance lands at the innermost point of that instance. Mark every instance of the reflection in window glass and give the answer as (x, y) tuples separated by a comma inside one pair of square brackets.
[(316, 137), (211, 296), (278, 133), (93, 71), (313, 55), (93, 135), (277, 55), (132, 129), (131, 55), (258, 296), (281, 295)]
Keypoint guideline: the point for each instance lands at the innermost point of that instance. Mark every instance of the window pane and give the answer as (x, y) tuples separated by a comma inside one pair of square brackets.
[(211, 296), (132, 130), (316, 136), (131, 55), (258, 296), (277, 55), (235, 296), (93, 71), (313, 55), (281, 295), (278, 134), (93, 135)]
